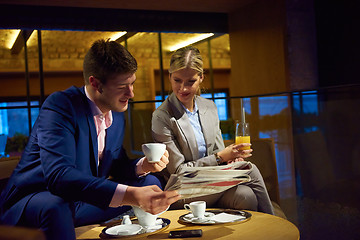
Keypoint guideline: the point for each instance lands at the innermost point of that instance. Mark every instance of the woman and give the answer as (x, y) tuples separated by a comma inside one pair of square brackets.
[(189, 126)]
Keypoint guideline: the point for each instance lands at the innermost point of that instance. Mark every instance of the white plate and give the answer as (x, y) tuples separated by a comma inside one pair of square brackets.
[(124, 230)]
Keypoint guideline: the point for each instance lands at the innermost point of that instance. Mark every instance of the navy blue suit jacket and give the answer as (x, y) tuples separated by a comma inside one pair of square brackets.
[(61, 157)]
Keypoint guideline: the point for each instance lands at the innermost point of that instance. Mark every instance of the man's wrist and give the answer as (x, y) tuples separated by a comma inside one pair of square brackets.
[(118, 197), (140, 171)]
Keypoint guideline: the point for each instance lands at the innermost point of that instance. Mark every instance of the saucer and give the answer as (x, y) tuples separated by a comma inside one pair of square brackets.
[(217, 216), (207, 217), (129, 231), (124, 230)]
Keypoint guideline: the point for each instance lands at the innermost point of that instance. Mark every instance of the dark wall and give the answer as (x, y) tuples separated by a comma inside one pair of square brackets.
[(71, 18), (338, 37)]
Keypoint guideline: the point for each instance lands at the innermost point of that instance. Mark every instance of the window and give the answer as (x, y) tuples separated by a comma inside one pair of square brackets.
[(305, 105), (219, 99), (14, 127), (14, 120)]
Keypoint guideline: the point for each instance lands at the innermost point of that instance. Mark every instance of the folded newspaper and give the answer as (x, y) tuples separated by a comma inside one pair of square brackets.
[(200, 181)]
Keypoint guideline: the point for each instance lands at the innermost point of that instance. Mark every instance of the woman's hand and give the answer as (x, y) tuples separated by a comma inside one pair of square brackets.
[(244, 153), (232, 153), (158, 166)]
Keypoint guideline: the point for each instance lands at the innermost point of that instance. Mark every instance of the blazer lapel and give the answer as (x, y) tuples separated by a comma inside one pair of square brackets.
[(93, 134), (93, 139), (206, 122), (184, 124)]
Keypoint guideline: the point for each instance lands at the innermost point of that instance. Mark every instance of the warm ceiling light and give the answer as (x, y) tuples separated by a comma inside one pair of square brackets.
[(190, 41), (21, 39), (12, 38), (117, 36)]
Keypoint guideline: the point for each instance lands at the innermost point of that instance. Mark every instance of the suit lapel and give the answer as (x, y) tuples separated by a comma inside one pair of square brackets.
[(93, 135), (206, 122), (184, 124), (93, 139)]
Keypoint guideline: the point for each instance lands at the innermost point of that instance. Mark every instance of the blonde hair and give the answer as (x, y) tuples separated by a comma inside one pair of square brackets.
[(187, 57)]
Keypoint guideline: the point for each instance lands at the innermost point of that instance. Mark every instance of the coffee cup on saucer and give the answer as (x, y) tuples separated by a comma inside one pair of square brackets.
[(197, 208)]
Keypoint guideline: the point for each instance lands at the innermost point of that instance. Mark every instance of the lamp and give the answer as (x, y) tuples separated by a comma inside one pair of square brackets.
[(13, 34), (117, 35), (18, 44)]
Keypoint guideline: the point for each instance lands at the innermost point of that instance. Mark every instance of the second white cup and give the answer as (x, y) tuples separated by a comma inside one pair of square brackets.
[(197, 208), (153, 151)]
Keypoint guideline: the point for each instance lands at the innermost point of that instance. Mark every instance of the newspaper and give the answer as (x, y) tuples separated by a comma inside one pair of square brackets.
[(200, 181)]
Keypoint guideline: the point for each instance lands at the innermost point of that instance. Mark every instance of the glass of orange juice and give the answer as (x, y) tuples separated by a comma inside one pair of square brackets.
[(242, 134)]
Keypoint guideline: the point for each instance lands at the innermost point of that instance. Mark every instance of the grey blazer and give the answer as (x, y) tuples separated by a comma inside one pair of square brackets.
[(171, 125)]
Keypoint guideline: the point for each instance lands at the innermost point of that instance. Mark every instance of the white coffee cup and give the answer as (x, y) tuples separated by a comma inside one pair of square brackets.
[(197, 208), (153, 151), (145, 219)]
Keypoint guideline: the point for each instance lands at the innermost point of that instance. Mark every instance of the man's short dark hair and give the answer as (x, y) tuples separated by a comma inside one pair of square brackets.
[(105, 59)]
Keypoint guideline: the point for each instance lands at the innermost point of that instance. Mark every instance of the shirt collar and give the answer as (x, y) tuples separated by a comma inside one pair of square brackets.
[(95, 110), (187, 110)]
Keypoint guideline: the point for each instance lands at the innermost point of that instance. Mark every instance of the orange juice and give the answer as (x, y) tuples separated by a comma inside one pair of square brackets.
[(242, 139)]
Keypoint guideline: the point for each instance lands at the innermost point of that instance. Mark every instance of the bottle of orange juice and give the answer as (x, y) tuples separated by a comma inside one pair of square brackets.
[(242, 134)]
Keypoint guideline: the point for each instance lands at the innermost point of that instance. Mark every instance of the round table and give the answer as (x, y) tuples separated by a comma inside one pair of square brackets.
[(259, 227)]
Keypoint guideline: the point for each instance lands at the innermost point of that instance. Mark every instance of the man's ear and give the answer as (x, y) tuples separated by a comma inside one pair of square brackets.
[(95, 84), (201, 78)]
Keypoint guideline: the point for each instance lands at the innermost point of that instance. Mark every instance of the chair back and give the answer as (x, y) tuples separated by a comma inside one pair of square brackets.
[(7, 166), (263, 157)]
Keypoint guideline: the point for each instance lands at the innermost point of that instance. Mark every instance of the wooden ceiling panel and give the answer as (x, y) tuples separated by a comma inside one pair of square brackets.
[(220, 6)]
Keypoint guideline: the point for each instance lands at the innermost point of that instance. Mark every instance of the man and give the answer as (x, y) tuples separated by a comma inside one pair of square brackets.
[(74, 170)]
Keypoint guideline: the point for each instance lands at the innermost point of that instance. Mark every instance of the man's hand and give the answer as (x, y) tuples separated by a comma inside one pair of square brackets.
[(156, 167), (150, 198)]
